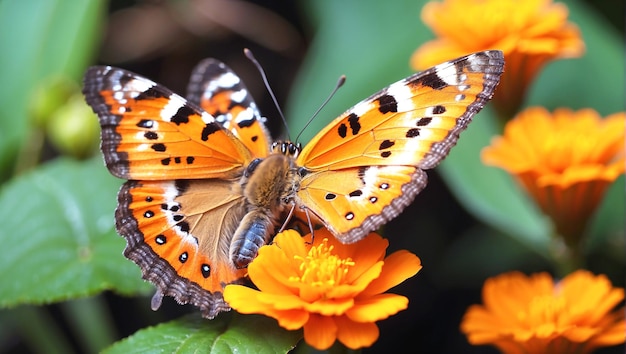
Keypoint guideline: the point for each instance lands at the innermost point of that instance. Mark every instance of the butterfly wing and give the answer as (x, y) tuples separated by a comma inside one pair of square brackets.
[(150, 133), (179, 233), (220, 92), (183, 203), (367, 165)]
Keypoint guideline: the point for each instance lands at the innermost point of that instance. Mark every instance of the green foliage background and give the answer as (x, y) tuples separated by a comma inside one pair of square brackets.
[(59, 243)]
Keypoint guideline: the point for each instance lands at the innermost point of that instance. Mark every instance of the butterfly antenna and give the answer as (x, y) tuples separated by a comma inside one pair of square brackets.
[(251, 57), (340, 82)]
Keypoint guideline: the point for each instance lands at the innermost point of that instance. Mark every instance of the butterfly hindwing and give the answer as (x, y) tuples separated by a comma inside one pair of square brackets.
[(148, 132), (179, 233), (396, 133), (220, 92)]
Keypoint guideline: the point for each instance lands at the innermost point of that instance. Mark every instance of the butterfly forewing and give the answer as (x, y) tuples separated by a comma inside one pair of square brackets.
[(148, 132), (220, 92), (412, 123)]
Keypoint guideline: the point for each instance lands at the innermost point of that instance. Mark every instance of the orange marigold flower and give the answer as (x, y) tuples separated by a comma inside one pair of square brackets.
[(333, 291), (532, 314), (565, 161), (530, 33)]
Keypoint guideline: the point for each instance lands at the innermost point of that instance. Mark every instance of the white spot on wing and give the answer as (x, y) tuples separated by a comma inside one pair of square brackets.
[(207, 118), (449, 74), (246, 115), (226, 80), (239, 96), (138, 86), (170, 109), (361, 108), (402, 94)]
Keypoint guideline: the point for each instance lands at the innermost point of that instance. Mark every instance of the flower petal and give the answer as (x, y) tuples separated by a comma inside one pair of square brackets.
[(320, 332), (330, 307), (250, 301), (398, 267), (355, 335), (376, 308), (270, 271)]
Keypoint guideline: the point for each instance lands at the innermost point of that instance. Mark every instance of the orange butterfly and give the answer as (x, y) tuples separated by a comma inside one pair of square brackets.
[(206, 188)]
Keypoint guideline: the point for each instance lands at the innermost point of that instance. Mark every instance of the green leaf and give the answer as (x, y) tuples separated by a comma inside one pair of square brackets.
[(58, 235), (39, 39), (228, 333)]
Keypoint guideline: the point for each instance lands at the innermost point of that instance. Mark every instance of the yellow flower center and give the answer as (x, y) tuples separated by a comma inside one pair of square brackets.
[(543, 315), (321, 267)]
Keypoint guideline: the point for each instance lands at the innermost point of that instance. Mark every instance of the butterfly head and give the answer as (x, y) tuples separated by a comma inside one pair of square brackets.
[(286, 148)]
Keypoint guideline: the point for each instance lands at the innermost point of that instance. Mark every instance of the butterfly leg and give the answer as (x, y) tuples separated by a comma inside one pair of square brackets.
[(288, 218)]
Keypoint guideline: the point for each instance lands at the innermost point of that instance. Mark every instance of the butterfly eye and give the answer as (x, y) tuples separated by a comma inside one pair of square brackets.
[(302, 172), (294, 149), (251, 167)]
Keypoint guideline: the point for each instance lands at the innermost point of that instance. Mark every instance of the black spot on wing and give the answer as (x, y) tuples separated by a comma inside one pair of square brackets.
[(412, 133), (342, 130), (433, 81), (361, 173), (246, 123), (183, 226), (151, 135), (386, 144), (181, 186), (356, 193), (151, 93), (439, 109), (387, 104), (182, 115), (206, 270), (424, 121), (355, 126), (145, 123), (159, 147), (209, 129)]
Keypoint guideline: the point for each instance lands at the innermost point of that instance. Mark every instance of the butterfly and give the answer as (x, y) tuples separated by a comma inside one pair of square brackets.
[(207, 187)]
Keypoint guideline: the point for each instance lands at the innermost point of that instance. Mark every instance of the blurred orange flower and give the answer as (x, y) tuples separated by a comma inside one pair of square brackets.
[(530, 33), (333, 291), (565, 161), (532, 314)]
